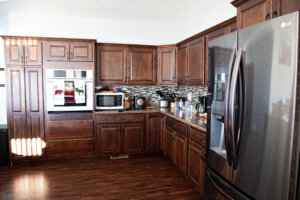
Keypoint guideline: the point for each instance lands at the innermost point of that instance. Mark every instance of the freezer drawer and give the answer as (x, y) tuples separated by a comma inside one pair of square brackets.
[(217, 189)]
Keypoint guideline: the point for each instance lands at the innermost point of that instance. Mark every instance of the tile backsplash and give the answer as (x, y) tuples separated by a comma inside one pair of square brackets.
[(152, 98)]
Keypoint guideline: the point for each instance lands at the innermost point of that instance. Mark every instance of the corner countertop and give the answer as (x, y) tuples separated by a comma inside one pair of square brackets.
[(178, 114), (3, 128)]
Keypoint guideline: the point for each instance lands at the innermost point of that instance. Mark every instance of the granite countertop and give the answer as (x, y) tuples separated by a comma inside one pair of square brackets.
[(3, 127), (179, 114)]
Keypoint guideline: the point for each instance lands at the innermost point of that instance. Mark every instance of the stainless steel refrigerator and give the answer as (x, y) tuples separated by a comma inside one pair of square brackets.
[(253, 132)]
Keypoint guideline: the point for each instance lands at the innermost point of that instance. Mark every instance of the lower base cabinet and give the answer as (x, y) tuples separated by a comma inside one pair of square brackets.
[(125, 135), (196, 165), (133, 138), (108, 139), (180, 151)]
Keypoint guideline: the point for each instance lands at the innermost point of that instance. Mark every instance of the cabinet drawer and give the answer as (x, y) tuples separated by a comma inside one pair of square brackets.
[(70, 148), (176, 126), (120, 118), (71, 129), (197, 136)]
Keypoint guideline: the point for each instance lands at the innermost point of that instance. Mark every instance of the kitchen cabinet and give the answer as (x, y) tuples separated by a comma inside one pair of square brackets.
[(180, 151), (19, 52), (69, 51), (176, 143), (141, 66), (166, 66), (191, 63), (109, 139), (195, 72), (182, 66), (69, 135), (250, 12), (133, 138), (196, 159), (120, 133), (111, 65), (25, 109), (155, 131)]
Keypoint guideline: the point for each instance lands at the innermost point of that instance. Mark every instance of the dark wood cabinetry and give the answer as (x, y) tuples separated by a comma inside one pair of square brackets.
[(111, 65), (20, 53), (176, 143), (155, 133), (195, 68), (196, 159), (70, 135), (250, 12), (133, 138), (141, 66), (120, 133), (109, 139), (25, 107), (182, 66), (190, 69), (166, 66), (69, 51)]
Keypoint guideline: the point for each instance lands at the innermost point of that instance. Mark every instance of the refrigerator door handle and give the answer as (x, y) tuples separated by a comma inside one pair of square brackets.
[(232, 109), (227, 93)]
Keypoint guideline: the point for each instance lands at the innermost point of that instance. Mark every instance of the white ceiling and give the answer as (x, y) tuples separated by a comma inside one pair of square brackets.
[(186, 16)]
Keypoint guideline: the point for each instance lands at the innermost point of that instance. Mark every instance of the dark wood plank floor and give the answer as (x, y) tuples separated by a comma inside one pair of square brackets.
[(97, 178)]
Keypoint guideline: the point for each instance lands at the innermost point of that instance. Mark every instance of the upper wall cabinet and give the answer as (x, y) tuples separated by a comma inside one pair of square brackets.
[(141, 66), (166, 66), (111, 65), (190, 69), (250, 12), (23, 52), (69, 51)]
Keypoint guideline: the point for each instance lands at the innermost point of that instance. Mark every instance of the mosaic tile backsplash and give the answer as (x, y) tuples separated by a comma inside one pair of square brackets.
[(151, 96)]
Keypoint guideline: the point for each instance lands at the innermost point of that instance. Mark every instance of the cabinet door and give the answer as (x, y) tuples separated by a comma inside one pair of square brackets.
[(14, 52), (282, 7), (133, 138), (153, 133), (108, 139), (57, 51), (182, 65), (166, 66), (16, 115), (141, 66), (169, 143), (33, 53), (34, 103), (180, 151), (111, 65), (196, 165), (81, 51), (252, 12), (196, 62)]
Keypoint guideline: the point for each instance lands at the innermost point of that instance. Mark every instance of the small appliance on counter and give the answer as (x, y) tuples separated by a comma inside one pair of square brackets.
[(139, 102), (181, 102), (109, 101), (163, 102)]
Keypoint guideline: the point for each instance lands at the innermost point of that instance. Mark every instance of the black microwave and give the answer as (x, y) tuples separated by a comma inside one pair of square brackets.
[(109, 101)]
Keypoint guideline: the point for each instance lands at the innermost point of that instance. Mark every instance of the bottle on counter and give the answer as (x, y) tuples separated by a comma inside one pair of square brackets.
[(127, 104)]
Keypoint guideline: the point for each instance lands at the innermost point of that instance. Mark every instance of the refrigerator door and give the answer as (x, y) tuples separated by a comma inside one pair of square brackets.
[(264, 151), (219, 189), (222, 54)]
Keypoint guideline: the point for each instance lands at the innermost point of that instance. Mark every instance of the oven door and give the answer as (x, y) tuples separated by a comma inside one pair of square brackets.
[(110, 101), (69, 95)]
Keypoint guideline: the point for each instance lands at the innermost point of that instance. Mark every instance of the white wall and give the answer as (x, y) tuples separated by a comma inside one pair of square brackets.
[(3, 116), (104, 30)]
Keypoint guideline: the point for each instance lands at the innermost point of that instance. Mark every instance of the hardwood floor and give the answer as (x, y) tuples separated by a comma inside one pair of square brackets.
[(97, 178)]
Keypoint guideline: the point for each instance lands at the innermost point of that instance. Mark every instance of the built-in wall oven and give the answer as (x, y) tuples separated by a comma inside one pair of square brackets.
[(69, 90)]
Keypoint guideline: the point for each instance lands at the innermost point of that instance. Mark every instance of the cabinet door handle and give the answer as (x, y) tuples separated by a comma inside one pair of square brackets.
[(267, 16), (72, 55), (67, 55), (274, 14), (22, 59)]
